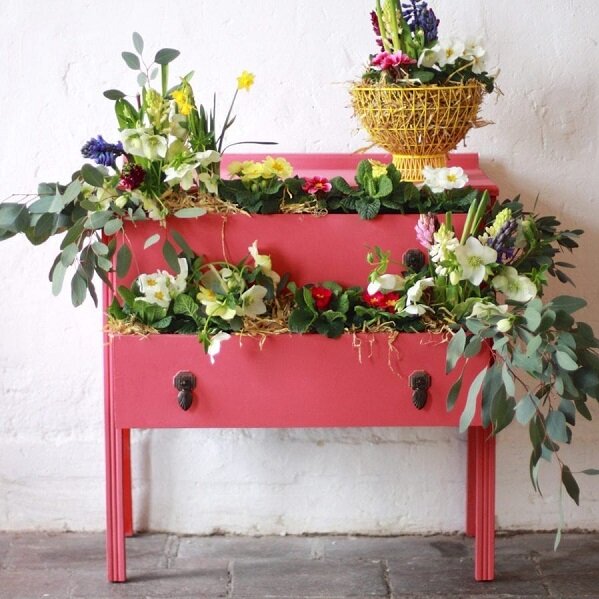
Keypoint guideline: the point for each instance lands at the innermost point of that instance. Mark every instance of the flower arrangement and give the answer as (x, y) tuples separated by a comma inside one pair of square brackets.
[(481, 286), (411, 53)]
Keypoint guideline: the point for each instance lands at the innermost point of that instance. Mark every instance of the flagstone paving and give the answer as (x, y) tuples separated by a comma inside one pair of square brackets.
[(71, 566)]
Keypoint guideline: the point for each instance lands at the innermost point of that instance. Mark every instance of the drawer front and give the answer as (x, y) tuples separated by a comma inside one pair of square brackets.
[(287, 381), (311, 249)]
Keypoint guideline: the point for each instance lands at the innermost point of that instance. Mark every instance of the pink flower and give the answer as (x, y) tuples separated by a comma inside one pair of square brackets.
[(386, 61), (316, 184), (425, 229)]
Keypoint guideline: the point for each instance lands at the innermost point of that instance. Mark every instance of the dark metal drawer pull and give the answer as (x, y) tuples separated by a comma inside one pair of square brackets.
[(420, 382), (185, 383)]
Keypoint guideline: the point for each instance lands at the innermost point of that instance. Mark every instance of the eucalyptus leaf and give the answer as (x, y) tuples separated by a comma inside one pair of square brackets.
[(556, 427), (180, 240), (92, 175), (454, 393), (166, 55), (471, 401), (113, 226), (565, 361), (138, 42), (131, 60), (152, 240), (170, 255), (455, 349), (78, 289), (570, 484), (567, 303), (68, 255), (114, 94), (58, 274), (190, 212), (99, 248), (590, 472), (123, 260)]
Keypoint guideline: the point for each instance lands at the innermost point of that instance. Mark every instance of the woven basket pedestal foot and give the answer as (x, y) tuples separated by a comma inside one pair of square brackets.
[(410, 165)]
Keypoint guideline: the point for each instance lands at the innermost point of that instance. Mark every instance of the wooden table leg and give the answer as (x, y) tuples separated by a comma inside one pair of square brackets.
[(484, 543), (471, 484), (127, 483)]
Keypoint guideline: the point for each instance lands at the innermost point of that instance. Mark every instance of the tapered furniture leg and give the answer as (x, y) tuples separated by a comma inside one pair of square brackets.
[(484, 543), (127, 483), (471, 484), (115, 530)]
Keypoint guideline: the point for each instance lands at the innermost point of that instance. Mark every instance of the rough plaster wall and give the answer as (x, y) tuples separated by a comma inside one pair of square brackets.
[(57, 58)]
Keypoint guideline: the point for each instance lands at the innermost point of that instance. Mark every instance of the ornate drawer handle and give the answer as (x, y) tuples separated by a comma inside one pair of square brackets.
[(185, 383), (420, 382)]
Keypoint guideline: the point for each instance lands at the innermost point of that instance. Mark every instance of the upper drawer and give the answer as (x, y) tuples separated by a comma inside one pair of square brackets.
[(311, 249), (288, 381)]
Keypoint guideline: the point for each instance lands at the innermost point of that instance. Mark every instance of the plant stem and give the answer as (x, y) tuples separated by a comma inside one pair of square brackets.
[(382, 28)]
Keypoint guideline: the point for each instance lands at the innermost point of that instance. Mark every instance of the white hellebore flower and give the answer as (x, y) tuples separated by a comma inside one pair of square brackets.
[(264, 262), (132, 140), (153, 146), (386, 284), (429, 57), (210, 181), (473, 258), (450, 51), (483, 310), (215, 343), (475, 53), (184, 175), (414, 295), (252, 301), (514, 286)]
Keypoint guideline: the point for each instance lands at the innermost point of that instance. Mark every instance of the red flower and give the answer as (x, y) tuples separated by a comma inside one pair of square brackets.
[(132, 176), (386, 61), (316, 184), (322, 297), (382, 301)]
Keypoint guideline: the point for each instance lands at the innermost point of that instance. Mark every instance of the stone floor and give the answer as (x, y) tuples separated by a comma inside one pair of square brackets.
[(71, 566)]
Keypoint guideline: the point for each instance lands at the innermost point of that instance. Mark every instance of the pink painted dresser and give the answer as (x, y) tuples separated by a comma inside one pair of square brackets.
[(354, 381)]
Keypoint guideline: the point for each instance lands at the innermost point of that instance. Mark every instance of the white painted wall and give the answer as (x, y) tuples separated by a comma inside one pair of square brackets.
[(58, 57)]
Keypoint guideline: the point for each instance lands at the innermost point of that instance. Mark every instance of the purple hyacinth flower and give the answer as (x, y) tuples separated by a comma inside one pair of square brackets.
[(419, 16), (501, 243), (101, 152)]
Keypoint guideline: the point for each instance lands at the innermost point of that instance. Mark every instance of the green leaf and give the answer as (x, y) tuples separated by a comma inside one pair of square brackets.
[(340, 184), (385, 187), (533, 345), (71, 192), (570, 484), (138, 42), (454, 393), (567, 303), (74, 233), (131, 60), (170, 255), (113, 226), (424, 76), (508, 381), (590, 472), (473, 347), (190, 212), (78, 289), (565, 361), (14, 217), (184, 304), (368, 208), (455, 349), (300, 321), (526, 408), (47, 203), (471, 401), (92, 175), (58, 273), (150, 241), (180, 240), (99, 248), (556, 427), (123, 260), (68, 255), (44, 227), (97, 220), (166, 55), (533, 319), (113, 94), (568, 409)]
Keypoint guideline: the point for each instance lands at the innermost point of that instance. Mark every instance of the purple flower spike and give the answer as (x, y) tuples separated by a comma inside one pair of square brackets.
[(425, 229), (101, 152)]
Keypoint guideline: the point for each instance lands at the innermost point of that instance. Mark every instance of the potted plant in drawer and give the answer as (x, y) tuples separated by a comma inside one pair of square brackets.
[(419, 96)]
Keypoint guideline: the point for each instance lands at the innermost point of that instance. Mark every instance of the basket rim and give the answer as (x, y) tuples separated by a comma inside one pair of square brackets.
[(371, 86)]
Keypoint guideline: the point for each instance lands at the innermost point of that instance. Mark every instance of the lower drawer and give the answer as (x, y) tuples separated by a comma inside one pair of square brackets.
[(287, 381)]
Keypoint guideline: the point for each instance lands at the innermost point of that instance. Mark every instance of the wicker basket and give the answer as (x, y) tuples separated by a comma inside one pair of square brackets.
[(417, 125)]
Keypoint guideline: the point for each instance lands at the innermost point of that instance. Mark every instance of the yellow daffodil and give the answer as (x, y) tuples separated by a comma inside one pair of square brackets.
[(182, 98), (277, 167), (245, 80)]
